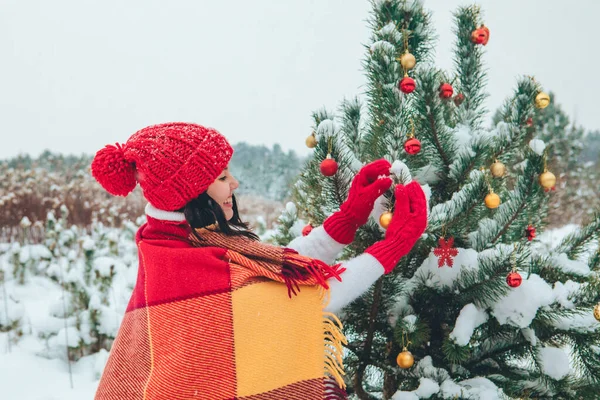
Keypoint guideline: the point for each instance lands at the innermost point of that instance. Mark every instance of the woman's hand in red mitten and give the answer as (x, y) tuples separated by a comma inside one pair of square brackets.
[(408, 224), (366, 187)]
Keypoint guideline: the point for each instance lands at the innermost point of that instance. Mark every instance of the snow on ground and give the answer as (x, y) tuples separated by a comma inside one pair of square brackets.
[(25, 374)]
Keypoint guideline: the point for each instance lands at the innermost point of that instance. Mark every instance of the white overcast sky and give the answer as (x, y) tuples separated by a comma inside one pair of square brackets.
[(78, 74)]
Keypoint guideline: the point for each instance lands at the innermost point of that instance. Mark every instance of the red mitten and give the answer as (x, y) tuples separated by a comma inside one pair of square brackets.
[(408, 224), (364, 190)]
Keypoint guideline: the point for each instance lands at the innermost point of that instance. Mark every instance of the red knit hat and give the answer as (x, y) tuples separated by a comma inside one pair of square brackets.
[(173, 163)]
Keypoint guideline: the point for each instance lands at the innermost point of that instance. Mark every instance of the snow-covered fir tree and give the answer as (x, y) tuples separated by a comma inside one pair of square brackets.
[(494, 314)]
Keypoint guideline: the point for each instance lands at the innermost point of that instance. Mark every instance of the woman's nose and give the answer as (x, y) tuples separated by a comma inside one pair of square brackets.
[(234, 184)]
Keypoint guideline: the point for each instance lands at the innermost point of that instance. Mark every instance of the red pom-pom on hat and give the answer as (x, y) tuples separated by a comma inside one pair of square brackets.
[(112, 170)]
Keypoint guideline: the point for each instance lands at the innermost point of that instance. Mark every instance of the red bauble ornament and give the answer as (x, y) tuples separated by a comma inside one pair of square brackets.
[(307, 229), (458, 99), (514, 279), (445, 252), (329, 166), (530, 231), (412, 146), (446, 91), (529, 121), (407, 85), (476, 37), (481, 35)]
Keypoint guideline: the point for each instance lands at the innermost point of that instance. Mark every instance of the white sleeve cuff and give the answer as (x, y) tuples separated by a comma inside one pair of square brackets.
[(361, 272), (317, 244)]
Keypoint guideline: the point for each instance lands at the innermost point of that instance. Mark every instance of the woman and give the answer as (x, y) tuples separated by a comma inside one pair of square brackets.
[(215, 314)]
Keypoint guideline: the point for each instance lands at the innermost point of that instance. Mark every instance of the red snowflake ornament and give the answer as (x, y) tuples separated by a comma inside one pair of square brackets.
[(445, 252)]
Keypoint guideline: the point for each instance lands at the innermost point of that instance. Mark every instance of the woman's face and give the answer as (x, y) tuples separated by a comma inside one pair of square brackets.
[(221, 191)]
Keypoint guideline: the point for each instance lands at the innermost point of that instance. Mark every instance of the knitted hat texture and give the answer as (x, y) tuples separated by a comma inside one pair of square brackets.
[(173, 163)]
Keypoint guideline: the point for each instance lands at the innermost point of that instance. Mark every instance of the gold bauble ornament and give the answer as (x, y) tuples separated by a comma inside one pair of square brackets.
[(385, 219), (542, 100), (407, 60), (405, 359), (498, 169), (492, 200), (547, 180), (597, 312), (311, 141)]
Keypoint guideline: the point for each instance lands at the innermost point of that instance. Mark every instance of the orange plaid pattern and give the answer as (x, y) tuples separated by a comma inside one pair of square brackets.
[(209, 323)]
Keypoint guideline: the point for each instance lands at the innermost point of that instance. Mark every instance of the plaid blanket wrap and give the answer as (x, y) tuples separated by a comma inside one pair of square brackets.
[(228, 318)]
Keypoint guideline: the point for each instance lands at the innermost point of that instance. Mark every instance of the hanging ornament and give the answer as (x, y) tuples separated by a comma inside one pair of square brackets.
[(498, 169), (529, 121), (547, 178), (307, 229), (597, 312), (530, 232), (542, 100), (407, 85), (405, 359), (481, 35), (311, 141), (446, 91), (514, 279), (458, 99), (492, 200), (445, 252), (385, 219), (412, 146), (329, 166), (548, 181), (407, 60)]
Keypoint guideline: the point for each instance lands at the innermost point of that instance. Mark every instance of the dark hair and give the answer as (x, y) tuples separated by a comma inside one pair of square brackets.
[(204, 211)]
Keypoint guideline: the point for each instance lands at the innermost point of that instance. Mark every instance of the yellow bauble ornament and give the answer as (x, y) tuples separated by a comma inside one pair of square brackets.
[(492, 200), (498, 169), (408, 61), (385, 219), (547, 180), (542, 100), (597, 312), (405, 359), (311, 141)]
